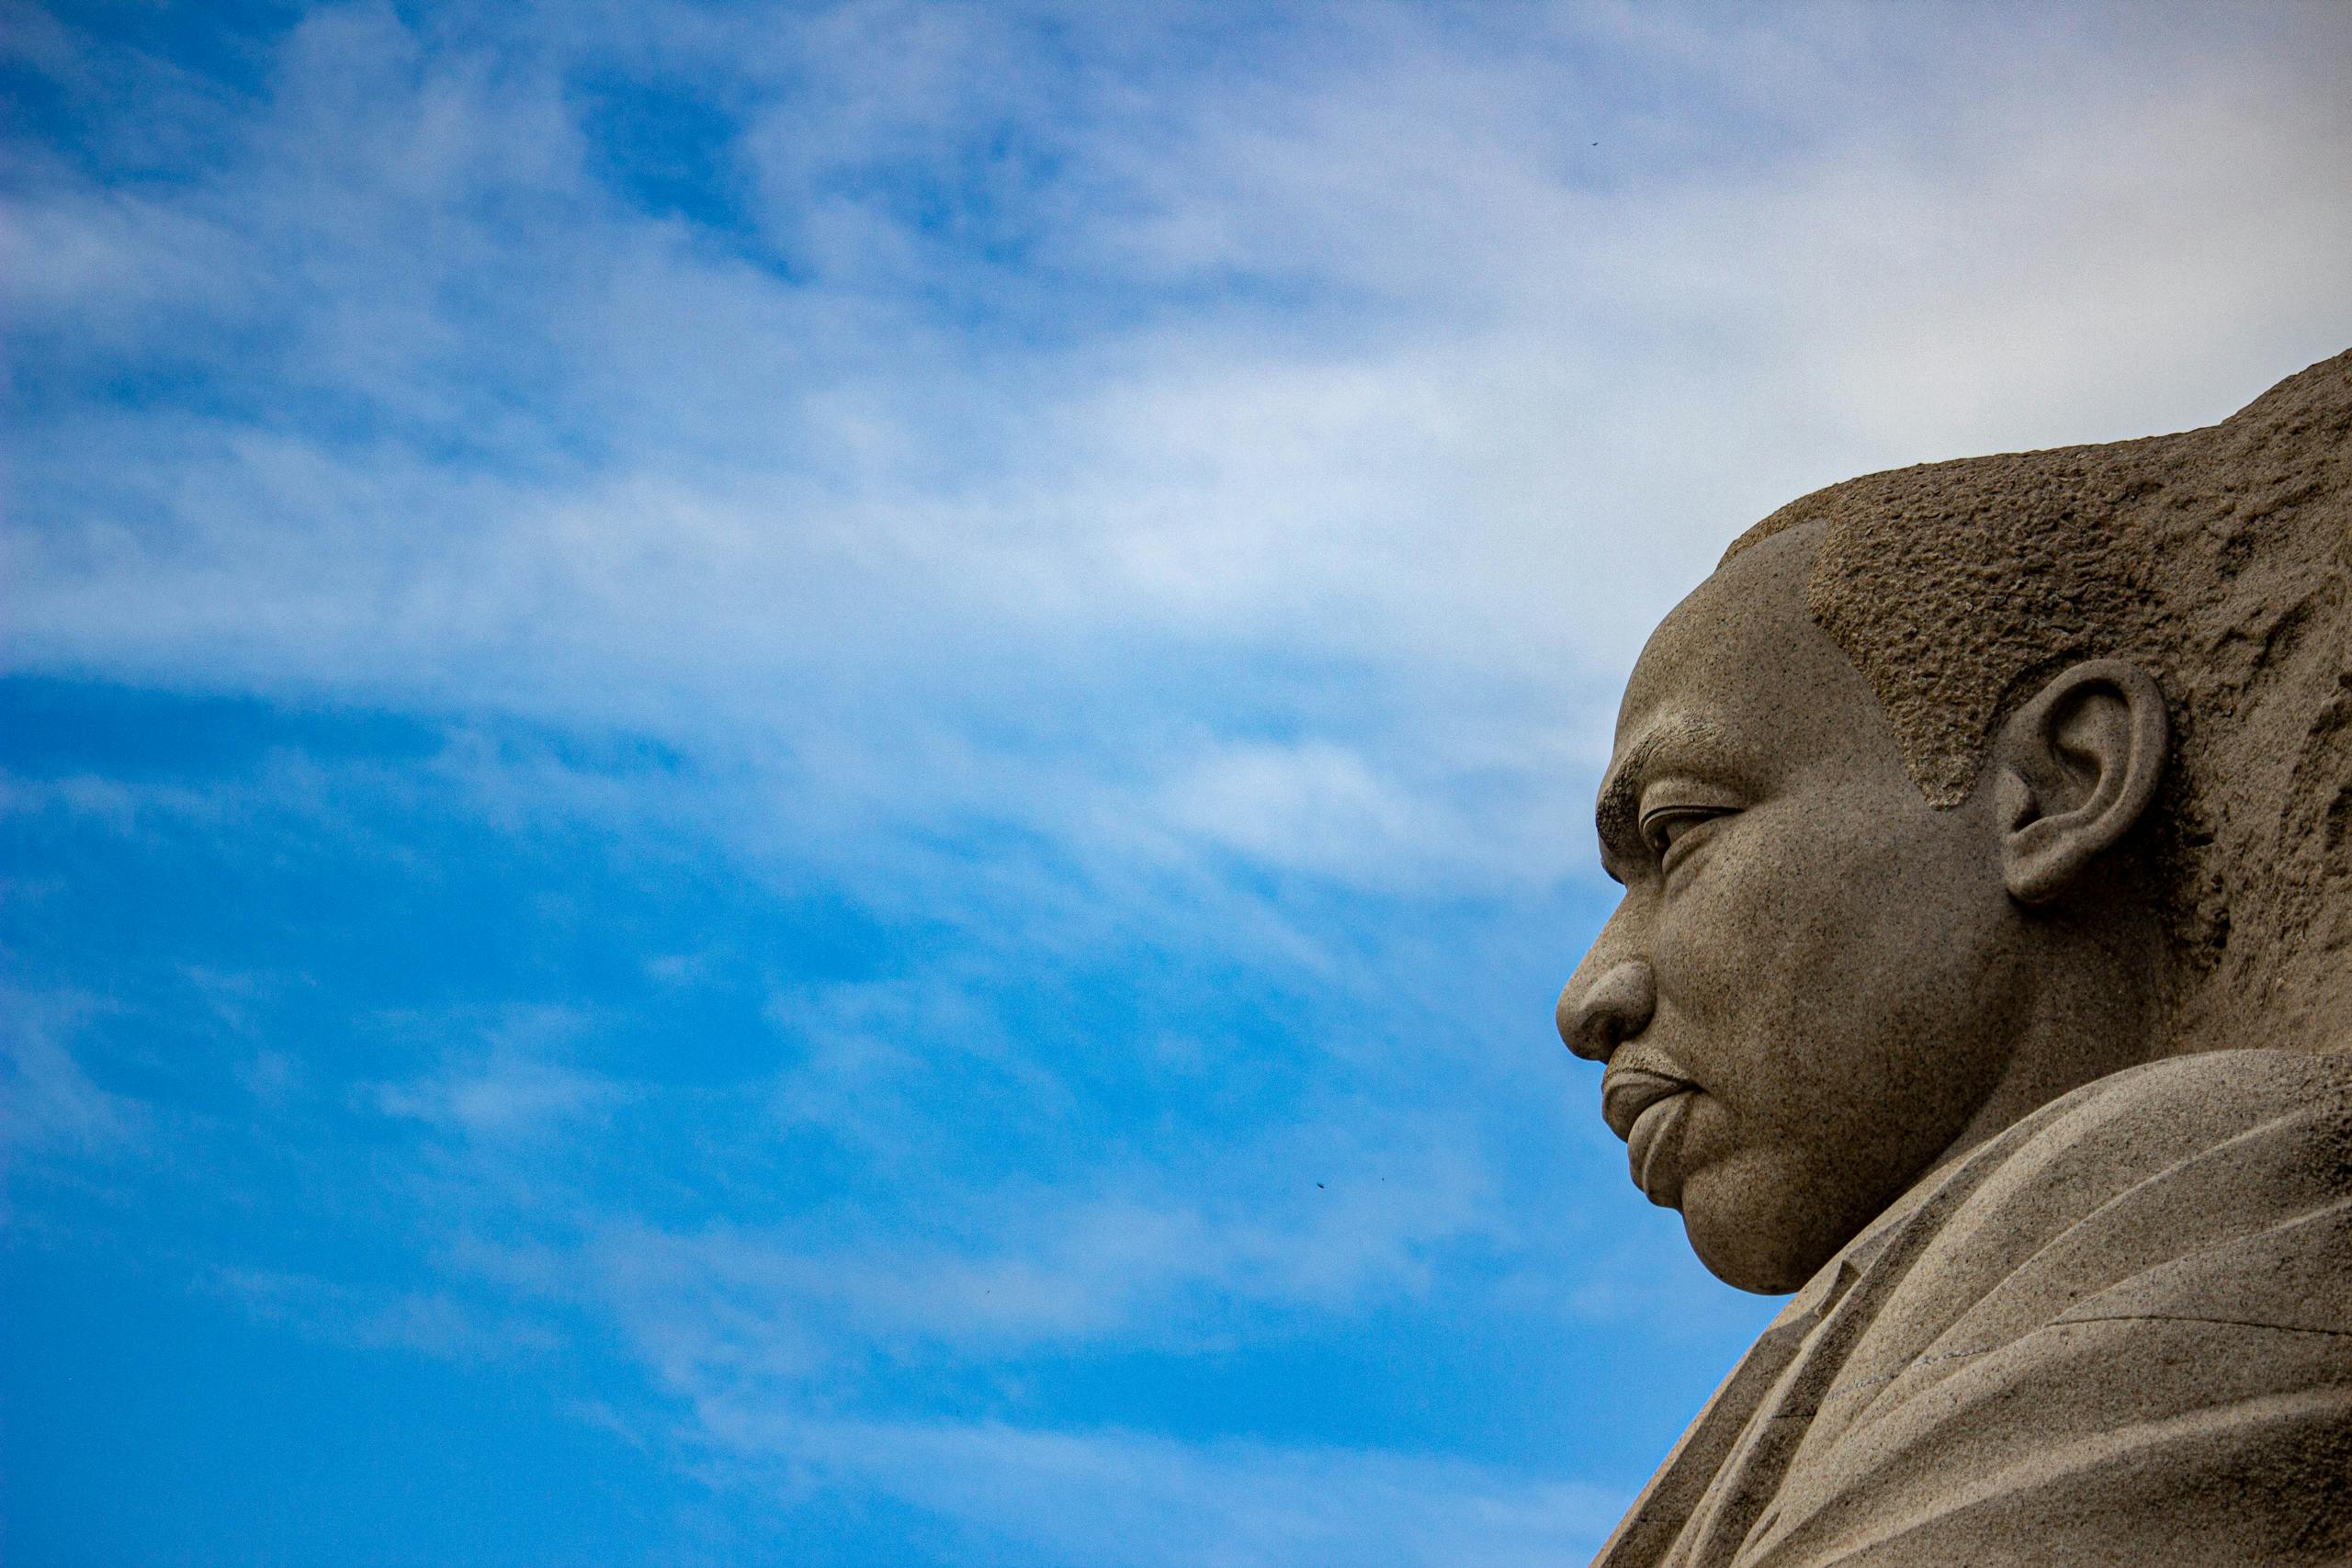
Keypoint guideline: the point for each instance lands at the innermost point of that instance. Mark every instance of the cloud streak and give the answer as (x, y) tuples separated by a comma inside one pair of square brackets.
[(562, 455), (1139, 1502)]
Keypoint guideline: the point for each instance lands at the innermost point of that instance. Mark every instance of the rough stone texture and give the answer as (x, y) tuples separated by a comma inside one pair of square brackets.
[(1983, 976), (2116, 1335), (2221, 560)]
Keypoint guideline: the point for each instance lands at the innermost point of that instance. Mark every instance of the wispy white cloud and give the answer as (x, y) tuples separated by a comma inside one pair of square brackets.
[(1131, 1500), (507, 1085), (49, 1103), (1012, 1271), (429, 1323), (780, 493), (498, 1099)]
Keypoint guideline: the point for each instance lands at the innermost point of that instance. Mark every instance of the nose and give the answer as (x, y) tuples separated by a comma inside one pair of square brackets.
[(1611, 1008)]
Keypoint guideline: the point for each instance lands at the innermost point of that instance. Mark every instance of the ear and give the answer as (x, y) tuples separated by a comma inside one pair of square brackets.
[(2077, 765)]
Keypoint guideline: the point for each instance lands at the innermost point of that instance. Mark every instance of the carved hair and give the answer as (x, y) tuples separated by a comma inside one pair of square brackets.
[(2220, 560)]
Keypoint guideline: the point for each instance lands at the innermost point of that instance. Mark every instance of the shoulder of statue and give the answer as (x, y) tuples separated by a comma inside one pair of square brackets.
[(2154, 1161), (2155, 1272)]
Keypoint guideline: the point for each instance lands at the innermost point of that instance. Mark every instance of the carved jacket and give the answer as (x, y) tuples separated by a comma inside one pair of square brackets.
[(2118, 1333)]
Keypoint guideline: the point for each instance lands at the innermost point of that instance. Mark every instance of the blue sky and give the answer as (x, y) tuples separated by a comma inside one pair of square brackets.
[(804, 783)]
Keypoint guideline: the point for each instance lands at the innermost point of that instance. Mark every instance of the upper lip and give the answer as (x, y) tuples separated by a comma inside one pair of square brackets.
[(1626, 1092)]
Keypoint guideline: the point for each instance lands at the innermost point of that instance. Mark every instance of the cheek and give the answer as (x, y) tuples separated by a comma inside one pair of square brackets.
[(1831, 992), (1804, 973)]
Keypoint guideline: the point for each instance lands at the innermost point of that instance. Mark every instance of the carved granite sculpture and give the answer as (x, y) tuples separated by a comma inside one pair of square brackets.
[(1983, 976)]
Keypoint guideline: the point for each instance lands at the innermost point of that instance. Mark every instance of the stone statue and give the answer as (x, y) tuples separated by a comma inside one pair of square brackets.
[(1983, 976)]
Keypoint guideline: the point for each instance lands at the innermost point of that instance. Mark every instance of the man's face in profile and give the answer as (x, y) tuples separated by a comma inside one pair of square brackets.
[(1812, 982)]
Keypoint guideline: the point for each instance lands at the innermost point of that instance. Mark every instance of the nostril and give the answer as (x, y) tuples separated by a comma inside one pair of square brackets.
[(1610, 1011)]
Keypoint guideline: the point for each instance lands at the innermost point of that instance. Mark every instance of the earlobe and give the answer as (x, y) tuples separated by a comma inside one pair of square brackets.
[(2079, 765)]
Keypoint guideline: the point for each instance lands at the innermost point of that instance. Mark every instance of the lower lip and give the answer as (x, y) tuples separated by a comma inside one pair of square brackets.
[(1654, 1149)]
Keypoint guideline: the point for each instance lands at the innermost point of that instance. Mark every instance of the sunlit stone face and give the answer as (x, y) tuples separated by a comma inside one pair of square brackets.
[(1814, 979)]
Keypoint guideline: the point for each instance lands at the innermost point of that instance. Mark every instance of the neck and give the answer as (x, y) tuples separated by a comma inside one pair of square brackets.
[(2095, 1009), (2284, 995)]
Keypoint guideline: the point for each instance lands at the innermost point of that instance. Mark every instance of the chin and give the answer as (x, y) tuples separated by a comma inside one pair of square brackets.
[(1747, 1232)]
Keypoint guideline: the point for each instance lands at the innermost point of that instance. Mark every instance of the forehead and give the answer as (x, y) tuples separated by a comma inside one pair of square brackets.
[(1741, 667)]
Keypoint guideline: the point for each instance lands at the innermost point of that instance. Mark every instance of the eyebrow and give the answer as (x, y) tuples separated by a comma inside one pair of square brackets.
[(1615, 814)]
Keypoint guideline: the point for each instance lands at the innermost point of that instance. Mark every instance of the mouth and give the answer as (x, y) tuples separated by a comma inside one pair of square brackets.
[(1648, 1110), (1627, 1092)]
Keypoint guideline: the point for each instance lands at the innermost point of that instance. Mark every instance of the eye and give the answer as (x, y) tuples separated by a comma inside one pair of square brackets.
[(1667, 828)]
